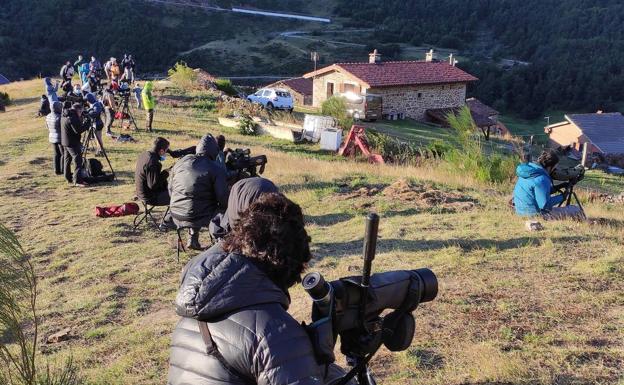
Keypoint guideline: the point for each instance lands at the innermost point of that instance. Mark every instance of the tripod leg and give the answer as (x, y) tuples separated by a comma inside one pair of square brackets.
[(578, 202), (105, 156)]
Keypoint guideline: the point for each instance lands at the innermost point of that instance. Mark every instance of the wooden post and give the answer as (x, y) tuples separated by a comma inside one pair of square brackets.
[(584, 159)]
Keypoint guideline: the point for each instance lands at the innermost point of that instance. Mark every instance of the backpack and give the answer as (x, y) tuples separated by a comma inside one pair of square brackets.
[(44, 107), (94, 167), (117, 211)]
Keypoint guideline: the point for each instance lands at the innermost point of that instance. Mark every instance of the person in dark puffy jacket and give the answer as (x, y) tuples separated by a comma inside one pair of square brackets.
[(72, 127), (243, 194), (233, 300), (198, 189), (53, 122)]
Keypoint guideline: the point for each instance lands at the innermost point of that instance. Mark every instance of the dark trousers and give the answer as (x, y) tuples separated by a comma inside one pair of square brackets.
[(73, 154), (148, 119), (58, 158), (110, 118), (162, 199)]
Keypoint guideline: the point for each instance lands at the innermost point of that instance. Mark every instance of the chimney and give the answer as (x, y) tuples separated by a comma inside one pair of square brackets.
[(374, 57), (429, 56), (451, 59)]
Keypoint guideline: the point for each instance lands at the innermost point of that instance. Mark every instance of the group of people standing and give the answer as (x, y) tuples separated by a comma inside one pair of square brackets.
[(80, 107)]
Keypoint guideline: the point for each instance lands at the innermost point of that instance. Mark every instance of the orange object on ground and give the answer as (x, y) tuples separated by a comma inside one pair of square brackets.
[(357, 139)]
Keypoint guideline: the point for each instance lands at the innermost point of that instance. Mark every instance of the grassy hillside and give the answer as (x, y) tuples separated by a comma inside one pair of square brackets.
[(514, 307)]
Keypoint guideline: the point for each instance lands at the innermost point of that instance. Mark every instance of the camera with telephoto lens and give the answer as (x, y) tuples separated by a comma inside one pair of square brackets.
[(240, 164), (352, 308)]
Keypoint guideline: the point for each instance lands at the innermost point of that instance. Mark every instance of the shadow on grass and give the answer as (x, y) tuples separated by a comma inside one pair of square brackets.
[(608, 222), (328, 219), (339, 249), (22, 101)]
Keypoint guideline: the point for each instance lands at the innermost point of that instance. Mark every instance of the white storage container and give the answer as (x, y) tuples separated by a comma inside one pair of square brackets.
[(331, 139)]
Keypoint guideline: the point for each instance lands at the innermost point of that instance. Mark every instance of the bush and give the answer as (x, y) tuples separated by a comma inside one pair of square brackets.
[(394, 150), (246, 126), (5, 100), (183, 76), (226, 86), (336, 107), (205, 103), (19, 322), (471, 158)]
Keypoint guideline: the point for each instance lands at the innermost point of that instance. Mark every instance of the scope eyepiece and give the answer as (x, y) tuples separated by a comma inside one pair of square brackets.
[(429, 284), (315, 285)]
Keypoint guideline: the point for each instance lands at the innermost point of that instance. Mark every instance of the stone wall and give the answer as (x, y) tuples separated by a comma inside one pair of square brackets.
[(414, 101), (319, 85)]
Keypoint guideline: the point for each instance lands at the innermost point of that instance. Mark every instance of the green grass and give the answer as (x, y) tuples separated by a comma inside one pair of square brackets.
[(514, 307), (599, 181), (525, 128)]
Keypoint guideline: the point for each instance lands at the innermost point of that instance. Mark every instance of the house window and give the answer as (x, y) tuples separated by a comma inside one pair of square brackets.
[(330, 89), (348, 87), (420, 95)]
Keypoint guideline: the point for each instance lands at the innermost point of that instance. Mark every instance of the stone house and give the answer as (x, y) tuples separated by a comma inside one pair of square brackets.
[(299, 88), (603, 132), (407, 88)]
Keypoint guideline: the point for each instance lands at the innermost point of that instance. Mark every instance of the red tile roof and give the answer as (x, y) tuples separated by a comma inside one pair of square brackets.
[(300, 85), (400, 73)]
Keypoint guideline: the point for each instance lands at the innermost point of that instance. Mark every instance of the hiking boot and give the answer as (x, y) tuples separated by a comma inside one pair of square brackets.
[(193, 242), (164, 227), (109, 133)]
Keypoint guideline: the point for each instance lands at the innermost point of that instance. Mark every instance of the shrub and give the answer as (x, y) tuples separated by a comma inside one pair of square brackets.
[(336, 107), (226, 86), (183, 76), (233, 107), (5, 100), (18, 300), (205, 103), (394, 150), (470, 157), (247, 126)]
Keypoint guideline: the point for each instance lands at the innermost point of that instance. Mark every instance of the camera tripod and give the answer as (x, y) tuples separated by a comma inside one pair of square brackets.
[(126, 114), (569, 193), (89, 138)]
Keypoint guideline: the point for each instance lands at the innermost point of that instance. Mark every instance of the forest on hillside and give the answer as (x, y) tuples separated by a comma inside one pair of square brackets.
[(575, 47)]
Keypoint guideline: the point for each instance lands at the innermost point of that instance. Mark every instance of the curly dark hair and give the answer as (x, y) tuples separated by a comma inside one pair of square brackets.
[(548, 158), (271, 232)]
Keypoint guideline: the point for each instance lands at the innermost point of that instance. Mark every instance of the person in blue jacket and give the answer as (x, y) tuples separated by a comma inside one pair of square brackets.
[(51, 90), (95, 113), (532, 193)]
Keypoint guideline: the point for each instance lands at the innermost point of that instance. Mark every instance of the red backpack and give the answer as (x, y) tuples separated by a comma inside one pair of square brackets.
[(117, 211)]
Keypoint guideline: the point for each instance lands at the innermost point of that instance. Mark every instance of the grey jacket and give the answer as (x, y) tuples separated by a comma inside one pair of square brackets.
[(247, 317), (198, 186)]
